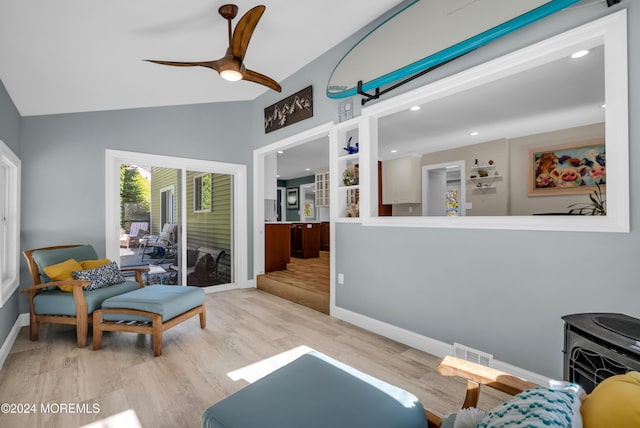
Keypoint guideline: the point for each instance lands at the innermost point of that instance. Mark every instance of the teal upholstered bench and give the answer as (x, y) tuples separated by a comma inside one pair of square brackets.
[(150, 310), (317, 391)]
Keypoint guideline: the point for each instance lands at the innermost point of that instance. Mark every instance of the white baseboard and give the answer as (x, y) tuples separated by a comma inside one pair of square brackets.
[(424, 343), (22, 321), (225, 287)]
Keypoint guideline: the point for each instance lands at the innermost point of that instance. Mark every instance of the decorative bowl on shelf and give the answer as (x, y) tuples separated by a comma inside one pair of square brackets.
[(350, 176)]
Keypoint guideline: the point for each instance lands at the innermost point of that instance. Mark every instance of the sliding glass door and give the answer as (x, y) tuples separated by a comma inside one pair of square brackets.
[(180, 222), (209, 235)]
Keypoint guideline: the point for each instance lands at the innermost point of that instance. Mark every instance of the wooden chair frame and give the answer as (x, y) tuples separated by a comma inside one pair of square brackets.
[(477, 375), (155, 327), (82, 319)]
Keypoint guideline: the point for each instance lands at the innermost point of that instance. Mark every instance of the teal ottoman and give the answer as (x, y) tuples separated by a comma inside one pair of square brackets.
[(316, 391), (149, 310)]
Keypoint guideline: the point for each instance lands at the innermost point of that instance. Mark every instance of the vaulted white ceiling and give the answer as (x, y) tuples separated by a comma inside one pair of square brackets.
[(67, 56)]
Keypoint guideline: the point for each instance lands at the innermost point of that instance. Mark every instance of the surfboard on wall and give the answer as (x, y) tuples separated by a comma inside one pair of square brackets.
[(428, 33)]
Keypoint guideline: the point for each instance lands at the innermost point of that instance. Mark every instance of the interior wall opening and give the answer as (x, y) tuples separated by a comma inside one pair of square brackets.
[(294, 180)]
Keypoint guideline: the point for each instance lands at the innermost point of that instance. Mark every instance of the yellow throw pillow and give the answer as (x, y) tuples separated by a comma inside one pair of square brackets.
[(62, 271), (615, 402), (90, 264)]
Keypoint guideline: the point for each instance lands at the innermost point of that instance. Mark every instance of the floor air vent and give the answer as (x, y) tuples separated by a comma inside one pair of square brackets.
[(472, 355)]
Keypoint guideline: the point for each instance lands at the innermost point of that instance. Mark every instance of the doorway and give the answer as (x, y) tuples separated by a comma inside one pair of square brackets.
[(307, 200), (443, 192), (305, 281), (281, 211), (196, 220)]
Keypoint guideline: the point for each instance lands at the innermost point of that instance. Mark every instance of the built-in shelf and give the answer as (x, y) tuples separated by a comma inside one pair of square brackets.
[(355, 186), (480, 179), (483, 187), (484, 183), (477, 167), (346, 198), (347, 157)]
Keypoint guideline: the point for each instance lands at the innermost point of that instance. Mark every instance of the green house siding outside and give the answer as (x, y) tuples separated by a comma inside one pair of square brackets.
[(210, 229), (162, 178)]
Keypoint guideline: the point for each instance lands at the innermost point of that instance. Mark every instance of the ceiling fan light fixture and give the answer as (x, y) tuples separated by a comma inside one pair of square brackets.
[(231, 75), (231, 66)]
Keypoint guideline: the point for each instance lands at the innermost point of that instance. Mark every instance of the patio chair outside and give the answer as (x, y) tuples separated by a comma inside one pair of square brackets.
[(166, 241), (137, 230)]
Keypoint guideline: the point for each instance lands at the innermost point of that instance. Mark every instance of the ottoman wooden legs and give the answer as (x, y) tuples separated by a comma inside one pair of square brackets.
[(155, 327)]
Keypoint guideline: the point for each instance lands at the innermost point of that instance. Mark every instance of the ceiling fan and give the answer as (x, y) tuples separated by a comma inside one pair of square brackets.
[(231, 65)]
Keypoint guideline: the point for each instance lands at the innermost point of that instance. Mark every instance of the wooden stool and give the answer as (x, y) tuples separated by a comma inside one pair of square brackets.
[(149, 310)]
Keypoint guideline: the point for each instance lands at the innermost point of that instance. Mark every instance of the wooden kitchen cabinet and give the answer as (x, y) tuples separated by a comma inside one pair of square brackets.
[(383, 210), (325, 237), (277, 246), (305, 240)]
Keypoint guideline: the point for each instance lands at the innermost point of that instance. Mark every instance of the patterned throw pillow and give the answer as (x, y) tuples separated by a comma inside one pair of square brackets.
[(537, 407), (100, 277)]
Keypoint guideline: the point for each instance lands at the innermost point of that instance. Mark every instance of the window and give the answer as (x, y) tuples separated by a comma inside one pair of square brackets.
[(202, 193), (9, 222), (166, 205)]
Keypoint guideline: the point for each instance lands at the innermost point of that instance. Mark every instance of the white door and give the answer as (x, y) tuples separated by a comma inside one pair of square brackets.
[(436, 192)]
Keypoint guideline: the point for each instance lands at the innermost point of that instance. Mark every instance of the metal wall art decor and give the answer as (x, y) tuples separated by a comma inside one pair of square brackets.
[(292, 109)]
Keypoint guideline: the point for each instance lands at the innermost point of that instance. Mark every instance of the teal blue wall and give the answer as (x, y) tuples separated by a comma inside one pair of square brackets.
[(10, 135), (63, 158), (506, 299), (499, 291), (294, 214)]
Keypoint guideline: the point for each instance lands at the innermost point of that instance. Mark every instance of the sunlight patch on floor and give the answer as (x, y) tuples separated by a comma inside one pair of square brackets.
[(255, 371), (127, 419)]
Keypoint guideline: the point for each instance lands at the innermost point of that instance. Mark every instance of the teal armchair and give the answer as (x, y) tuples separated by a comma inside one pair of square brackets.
[(49, 303)]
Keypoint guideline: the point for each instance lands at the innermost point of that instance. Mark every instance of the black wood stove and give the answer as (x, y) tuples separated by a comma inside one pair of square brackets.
[(599, 345)]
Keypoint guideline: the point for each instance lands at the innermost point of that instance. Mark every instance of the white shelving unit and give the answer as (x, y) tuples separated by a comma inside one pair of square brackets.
[(478, 167), (483, 183), (347, 196)]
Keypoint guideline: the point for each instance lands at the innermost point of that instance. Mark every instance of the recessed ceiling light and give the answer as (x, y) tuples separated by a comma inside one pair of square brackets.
[(603, 106), (474, 133), (307, 169), (579, 54), (393, 151), (415, 108), (280, 152), (277, 175)]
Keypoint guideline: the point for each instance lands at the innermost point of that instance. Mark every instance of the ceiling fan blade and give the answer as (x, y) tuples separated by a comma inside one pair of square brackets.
[(253, 76), (208, 64), (244, 30)]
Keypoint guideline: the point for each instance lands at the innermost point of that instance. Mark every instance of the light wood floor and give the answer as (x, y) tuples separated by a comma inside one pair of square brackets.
[(243, 327), (305, 281)]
